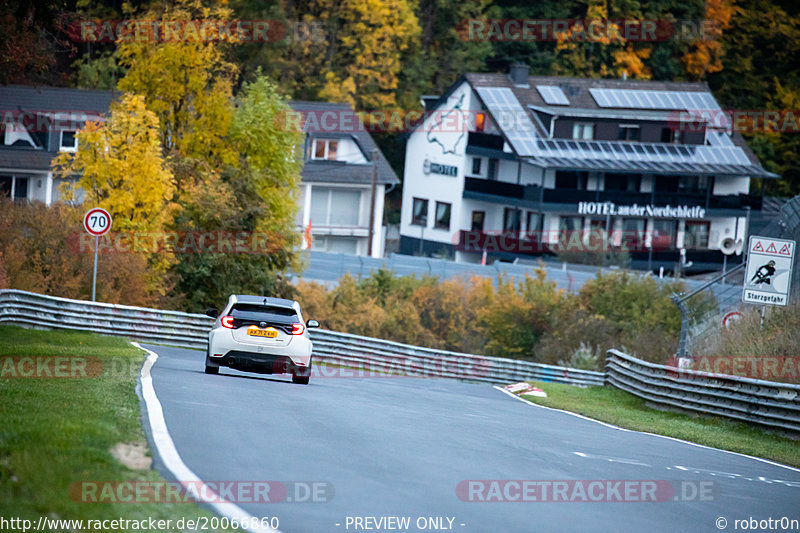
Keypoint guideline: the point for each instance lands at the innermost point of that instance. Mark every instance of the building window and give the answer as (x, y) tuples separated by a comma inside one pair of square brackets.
[(478, 217), (69, 141), (570, 223), (567, 226), (623, 182), (511, 219), (666, 183), (335, 207), (336, 245), (633, 232), (694, 184), (696, 235), (419, 216), (476, 166), (583, 131), (668, 135), (493, 164), (14, 187), (480, 122), (628, 132), (571, 180), (664, 232), (20, 189), (442, 220), (534, 221), (325, 149)]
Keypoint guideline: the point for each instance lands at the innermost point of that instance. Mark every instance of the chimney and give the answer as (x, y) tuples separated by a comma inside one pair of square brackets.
[(518, 73)]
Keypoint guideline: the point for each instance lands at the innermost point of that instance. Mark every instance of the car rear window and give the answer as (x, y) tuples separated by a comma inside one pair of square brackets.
[(264, 313)]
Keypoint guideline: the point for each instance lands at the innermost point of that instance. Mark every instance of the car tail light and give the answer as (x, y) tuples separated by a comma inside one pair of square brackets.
[(227, 321), (298, 328)]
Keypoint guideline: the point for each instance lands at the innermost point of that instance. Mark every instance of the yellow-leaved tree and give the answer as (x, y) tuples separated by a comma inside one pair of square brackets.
[(371, 39), (120, 167), (188, 84), (705, 55), (596, 46)]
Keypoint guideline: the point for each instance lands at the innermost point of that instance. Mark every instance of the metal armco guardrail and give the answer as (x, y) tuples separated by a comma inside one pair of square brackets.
[(380, 355), (353, 351), (173, 328), (765, 403)]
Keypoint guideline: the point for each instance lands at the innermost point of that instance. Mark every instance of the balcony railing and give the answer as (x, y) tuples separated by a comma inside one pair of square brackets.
[(495, 188), (538, 196)]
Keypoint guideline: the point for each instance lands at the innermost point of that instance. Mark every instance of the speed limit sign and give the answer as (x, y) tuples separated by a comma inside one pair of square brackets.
[(97, 221)]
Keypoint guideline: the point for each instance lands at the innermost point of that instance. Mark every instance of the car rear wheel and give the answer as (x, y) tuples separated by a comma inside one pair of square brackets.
[(302, 378), (211, 369)]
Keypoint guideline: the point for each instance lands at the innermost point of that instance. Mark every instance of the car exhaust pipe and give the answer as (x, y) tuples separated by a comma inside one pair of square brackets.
[(231, 361)]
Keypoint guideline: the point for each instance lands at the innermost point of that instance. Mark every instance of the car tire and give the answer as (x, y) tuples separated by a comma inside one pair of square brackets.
[(303, 378), (211, 369)]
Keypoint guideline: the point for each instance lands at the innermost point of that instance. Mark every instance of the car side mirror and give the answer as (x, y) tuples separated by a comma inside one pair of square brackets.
[(312, 324), (213, 313)]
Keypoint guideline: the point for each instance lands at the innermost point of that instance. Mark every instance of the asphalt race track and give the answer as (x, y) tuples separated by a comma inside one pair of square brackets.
[(393, 446)]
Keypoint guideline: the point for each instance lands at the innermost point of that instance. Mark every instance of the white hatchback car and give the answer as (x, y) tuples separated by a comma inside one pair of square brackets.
[(261, 334)]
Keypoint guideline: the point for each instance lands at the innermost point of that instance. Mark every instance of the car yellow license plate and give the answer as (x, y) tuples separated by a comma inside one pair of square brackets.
[(269, 332)]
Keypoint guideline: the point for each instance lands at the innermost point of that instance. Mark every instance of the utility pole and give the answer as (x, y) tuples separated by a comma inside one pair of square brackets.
[(372, 201)]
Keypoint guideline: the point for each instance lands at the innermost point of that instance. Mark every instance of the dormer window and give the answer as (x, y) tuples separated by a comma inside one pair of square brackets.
[(324, 149), (69, 141), (480, 122), (628, 132), (583, 131)]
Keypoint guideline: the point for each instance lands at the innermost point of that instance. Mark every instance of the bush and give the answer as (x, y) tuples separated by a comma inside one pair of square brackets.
[(40, 254), (525, 319), (779, 335), (584, 358)]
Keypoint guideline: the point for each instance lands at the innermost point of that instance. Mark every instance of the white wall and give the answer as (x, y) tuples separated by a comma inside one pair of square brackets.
[(444, 145), (731, 185)]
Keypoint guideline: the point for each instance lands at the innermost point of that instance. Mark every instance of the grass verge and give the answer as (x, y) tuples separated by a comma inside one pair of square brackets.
[(622, 409), (57, 431)]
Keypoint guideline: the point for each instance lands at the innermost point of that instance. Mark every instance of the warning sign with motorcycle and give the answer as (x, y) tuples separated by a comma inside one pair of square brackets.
[(769, 271)]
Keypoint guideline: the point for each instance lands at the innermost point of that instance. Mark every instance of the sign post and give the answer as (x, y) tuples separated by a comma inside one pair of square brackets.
[(768, 275), (96, 222)]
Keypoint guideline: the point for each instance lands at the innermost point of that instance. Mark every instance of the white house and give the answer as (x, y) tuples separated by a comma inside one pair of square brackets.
[(337, 180), (508, 166)]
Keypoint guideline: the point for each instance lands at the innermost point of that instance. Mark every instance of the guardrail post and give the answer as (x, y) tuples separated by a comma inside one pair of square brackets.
[(684, 339)]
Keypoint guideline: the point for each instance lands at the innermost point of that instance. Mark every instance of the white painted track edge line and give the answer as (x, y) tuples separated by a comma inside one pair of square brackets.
[(760, 459), (169, 455)]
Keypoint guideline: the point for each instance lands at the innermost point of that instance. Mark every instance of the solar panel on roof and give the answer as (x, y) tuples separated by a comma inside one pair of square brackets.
[(512, 119), (646, 99), (516, 125), (552, 94)]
